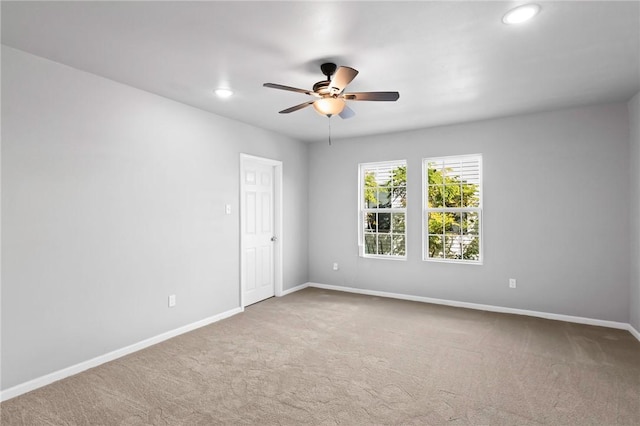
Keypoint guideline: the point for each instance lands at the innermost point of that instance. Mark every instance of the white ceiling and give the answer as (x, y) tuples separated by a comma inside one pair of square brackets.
[(450, 61)]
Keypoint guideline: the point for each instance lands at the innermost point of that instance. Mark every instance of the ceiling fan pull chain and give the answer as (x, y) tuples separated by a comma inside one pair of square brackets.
[(329, 130)]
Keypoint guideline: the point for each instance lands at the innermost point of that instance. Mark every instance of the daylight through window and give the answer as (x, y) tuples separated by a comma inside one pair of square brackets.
[(453, 208), (383, 209)]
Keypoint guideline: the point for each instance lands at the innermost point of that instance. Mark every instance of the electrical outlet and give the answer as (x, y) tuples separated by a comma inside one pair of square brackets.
[(172, 300), (512, 283), (227, 208), (335, 266)]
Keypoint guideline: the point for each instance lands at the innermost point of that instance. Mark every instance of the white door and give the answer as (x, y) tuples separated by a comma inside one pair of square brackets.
[(259, 238)]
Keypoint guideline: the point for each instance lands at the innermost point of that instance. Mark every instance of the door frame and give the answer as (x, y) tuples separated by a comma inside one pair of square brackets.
[(277, 221)]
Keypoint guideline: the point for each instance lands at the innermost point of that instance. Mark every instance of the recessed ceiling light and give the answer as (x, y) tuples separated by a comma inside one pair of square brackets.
[(521, 14), (223, 93)]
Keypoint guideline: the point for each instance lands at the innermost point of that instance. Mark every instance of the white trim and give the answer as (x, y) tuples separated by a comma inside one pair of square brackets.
[(490, 308), (385, 256), (426, 210), (362, 209), (635, 333), (455, 261), (293, 289), (278, 191), (118, 353)]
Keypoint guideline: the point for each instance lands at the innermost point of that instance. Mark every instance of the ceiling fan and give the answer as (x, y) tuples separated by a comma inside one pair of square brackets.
[(329, 94)]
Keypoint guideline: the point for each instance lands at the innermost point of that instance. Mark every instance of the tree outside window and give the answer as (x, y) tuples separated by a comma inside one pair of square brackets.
[(453, 208), (383, 212)]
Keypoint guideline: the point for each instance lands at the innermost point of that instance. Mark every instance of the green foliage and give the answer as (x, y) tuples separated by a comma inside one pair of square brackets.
[(384, 231), (452, 235), (392, 193), (399, 185), (447, 190), (370, 189)]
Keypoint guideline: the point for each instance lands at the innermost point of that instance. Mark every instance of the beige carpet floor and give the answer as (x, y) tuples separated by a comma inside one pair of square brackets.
[(323, 357)]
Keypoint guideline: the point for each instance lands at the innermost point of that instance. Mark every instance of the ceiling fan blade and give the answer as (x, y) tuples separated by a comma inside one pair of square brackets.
[(372, 96), (289, 88), (347, 113), (296, 108), (342, 77)]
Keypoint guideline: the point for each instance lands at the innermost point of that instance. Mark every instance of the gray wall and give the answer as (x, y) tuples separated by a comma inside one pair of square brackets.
[(634, 125), (556, 213), (113, 198)]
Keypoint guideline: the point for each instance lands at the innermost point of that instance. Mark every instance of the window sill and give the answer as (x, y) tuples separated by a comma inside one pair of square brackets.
[(456, 262), (369, 256)]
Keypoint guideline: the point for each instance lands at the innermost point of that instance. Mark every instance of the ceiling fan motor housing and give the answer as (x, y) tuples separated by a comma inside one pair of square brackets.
[(322, 87), (328, 69)]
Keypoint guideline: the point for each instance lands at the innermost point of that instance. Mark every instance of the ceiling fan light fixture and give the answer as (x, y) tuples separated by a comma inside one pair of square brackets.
[(521, 14), (329, 106)]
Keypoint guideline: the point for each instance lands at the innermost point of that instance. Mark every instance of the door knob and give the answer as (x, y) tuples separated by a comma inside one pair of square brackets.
[(274, 238)]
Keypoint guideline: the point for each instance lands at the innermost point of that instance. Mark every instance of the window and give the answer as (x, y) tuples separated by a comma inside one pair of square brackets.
[(453, 209), (383, 209)]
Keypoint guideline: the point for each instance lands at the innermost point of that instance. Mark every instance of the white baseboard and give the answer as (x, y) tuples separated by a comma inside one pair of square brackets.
[(294, 289), (94, 362), (635, 333), (491, 308)]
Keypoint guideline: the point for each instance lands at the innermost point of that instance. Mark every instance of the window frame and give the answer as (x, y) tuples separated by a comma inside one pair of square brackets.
[(362, 210), (426, 210)]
